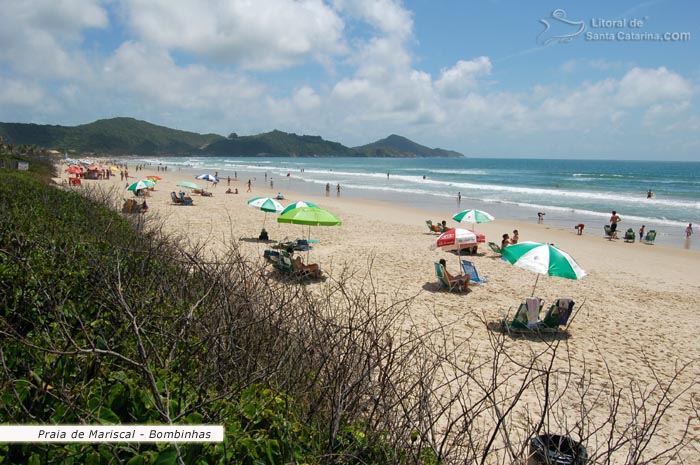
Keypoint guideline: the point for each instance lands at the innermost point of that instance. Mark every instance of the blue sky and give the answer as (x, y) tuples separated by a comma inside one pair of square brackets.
[(480, 77)]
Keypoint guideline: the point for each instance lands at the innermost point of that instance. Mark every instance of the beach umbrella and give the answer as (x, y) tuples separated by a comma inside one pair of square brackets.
[(189, 185), (207, 177), (310, 216), (142, 184), (153, 177), (543, 258), (267, 205), (457, 238), (75, 170), (473, 216), (299, 204)]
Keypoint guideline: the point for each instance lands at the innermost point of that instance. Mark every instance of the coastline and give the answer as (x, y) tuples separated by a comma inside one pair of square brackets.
[(634, 310), (440, 207)]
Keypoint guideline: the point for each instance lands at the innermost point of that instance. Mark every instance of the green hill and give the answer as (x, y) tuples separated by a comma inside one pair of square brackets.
[(277, 143), (400, 147), (113, 136), (129, 136)]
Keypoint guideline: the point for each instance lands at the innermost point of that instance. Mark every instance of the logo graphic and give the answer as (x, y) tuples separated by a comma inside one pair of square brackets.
[(559, 29)]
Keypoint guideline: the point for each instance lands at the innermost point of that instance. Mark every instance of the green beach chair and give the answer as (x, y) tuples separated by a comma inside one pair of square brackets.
[(442, 279), (526, 317), (558, 314), (650, 237), (630, 236), (493, 246)]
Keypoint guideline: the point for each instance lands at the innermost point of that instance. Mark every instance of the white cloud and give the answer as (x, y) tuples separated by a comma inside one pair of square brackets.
[(388, 16), (456, 81), (19, 93), (154, 76), (43, 36), (255, 35), (642, 86)]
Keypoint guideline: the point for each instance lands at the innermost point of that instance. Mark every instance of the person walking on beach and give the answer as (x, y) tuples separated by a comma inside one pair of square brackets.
[(641, 233), (228, 179), (328, 189), (459, 197), (614, 219), (337, 189), (689, 230), (249, 184)]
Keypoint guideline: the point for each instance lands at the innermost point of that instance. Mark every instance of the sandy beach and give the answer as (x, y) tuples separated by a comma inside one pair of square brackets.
[(637, 301)]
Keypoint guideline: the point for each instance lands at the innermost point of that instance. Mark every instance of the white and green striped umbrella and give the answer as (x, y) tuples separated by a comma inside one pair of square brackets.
[(266, 204), (142, 184), (542, 258), (299, 204), (473, 216)]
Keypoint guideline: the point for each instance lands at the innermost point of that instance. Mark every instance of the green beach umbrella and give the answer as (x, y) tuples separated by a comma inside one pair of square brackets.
[(142, 184), (473, 216), (189, 185), (542, 258), (312, 216)]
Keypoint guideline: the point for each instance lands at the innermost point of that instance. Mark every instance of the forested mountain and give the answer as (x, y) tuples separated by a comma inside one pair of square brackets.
[(398, 146), (129, 136)]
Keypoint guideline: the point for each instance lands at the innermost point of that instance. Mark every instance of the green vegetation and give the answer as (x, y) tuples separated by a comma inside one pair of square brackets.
[(128, 136), (105, 320), (400, 147), (111, 136), (277, 143)]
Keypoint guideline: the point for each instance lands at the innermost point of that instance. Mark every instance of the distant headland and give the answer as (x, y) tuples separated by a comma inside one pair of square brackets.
[(129, 136)]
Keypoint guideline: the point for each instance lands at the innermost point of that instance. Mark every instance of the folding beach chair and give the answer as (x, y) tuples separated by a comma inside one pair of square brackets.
[(444, 282), (468, 268), (650, 237), (526, 316), (432, 227), (493, 246), (558, 314), (630, 236)]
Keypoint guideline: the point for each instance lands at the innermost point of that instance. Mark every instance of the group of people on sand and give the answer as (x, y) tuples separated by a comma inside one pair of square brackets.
[(510, 240)]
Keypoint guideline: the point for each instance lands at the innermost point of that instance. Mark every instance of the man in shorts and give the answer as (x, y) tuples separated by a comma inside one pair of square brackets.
[(614, 219)]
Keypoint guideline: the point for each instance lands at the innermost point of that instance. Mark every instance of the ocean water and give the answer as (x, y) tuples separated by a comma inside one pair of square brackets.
[(567, 191)]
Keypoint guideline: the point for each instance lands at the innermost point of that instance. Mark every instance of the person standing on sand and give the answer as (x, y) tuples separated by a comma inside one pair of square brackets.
[(614, 219), (249, 184), (689, 230), (328, 189), (337, 189), (641, 233)]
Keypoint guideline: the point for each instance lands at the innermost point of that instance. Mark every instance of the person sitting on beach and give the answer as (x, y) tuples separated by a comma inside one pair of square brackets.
[(144, 206), (506, 241), (462, 279), (263, 235), (235, 191), (579, 228), (229, 191), (280, 196), (313, 269), (515, 238)]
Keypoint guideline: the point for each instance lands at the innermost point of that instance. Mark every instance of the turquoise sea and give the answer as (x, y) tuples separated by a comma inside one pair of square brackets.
[(567, 191)]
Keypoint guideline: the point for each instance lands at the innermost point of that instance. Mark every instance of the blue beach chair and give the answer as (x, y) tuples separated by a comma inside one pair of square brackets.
[(469, 269)]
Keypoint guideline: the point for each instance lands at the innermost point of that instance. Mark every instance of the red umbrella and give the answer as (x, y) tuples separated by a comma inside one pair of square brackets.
[(75, 170), (458, 238)]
